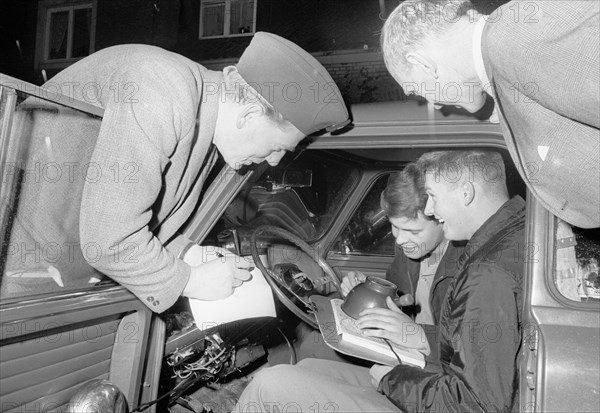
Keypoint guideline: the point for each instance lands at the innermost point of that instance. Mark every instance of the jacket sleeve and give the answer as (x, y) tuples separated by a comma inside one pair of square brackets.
[(479, 351), (137, 137)]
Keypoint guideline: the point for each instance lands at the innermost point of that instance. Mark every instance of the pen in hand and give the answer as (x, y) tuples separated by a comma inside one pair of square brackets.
[(249, 269)]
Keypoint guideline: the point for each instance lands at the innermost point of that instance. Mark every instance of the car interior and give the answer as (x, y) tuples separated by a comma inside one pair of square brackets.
[(345, 190)]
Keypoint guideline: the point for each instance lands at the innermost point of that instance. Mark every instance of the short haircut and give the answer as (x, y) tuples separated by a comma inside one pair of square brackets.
[(412, 23), (240, 91), (454, 167), (404, 196)]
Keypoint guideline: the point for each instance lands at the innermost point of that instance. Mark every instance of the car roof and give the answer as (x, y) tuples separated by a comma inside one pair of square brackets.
[(410, 123), (406, 110)]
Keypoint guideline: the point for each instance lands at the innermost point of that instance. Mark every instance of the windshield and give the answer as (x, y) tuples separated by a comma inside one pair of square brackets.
[(301, 195)]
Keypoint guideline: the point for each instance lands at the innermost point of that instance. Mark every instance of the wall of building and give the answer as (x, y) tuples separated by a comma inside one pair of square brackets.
[(342, 34), (361, 75), (152, 22), (17, 39)]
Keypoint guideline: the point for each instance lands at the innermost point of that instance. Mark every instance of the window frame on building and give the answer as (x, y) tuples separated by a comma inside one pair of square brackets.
[(45, 10), (205, 4)]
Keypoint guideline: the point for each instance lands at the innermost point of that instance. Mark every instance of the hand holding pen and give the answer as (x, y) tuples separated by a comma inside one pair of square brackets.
[(214, 275)]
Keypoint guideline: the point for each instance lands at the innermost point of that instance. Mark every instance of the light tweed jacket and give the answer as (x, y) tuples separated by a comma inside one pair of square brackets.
[(145, 171), (544, 63)]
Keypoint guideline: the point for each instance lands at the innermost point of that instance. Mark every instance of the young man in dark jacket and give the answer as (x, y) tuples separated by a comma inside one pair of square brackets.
[(479, 334), (479, 326)]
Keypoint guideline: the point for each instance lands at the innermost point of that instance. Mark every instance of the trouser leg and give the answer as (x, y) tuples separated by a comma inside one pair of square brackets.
[(316, 386)]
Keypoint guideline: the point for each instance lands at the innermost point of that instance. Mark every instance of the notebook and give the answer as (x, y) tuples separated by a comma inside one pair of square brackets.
[(351, 335)]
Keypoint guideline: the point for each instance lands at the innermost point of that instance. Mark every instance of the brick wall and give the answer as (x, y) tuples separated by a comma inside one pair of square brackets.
[(362, 77)]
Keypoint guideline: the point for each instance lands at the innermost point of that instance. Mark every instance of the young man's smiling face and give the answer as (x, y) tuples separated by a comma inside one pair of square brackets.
[(417, 237), (446, 203)]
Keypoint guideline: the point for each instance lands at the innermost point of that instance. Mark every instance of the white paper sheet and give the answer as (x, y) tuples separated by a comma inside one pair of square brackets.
[(252, 299)]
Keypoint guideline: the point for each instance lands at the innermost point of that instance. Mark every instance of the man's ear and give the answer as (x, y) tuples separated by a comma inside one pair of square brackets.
[(248, 112), (423, 63), (468, 192)]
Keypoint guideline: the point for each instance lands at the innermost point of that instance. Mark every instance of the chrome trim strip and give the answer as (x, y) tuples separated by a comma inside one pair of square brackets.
[(49, 95)]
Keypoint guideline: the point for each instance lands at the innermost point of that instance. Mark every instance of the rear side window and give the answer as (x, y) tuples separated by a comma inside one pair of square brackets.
[(576, 262), (369, 231)]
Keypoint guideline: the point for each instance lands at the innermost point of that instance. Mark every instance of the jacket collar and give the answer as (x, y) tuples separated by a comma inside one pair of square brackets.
[(509, 214)]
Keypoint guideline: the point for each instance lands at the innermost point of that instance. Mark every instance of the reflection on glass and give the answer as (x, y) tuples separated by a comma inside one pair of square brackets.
[(59, 30), (45, 167)]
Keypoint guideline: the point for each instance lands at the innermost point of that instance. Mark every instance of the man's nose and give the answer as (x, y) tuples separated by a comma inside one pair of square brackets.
[(274, 158), (401, 238), (429, 207)]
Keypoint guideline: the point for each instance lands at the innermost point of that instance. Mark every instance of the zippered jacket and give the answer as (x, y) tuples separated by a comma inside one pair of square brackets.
[(479, 331)]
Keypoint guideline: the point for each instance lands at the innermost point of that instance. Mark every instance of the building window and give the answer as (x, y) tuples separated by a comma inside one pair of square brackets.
[(68, 32), (65, 32), (226, 18)]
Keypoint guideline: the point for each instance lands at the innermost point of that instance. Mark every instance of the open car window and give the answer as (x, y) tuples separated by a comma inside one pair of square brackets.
[(369, 230), (43, 174), (577, 263)]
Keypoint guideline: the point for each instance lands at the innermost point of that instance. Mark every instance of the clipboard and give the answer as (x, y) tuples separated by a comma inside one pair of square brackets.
[(326, 322)]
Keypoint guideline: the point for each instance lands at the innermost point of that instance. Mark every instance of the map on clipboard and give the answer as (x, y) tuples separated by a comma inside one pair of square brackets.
[(340, 333)]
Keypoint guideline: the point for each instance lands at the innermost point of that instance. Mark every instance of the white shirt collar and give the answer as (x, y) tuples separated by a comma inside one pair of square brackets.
[(480, 66), (478, 55)]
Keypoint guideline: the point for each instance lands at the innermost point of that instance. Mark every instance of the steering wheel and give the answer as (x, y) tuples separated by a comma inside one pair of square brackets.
[(277, 284)]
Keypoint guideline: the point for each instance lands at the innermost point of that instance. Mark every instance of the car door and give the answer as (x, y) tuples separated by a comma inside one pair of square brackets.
[(560, 368), (58, 330)]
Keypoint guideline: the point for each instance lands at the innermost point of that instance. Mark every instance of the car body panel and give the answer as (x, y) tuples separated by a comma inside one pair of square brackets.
[(52, 344), (561, 358)]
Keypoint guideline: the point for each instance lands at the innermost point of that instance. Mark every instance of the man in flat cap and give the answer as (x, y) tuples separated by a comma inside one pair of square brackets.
[(539, 61), (165, 118)]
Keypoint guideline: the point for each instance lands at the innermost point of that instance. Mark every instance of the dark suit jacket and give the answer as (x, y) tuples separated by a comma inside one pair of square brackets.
[(544, 66), (404, 272)]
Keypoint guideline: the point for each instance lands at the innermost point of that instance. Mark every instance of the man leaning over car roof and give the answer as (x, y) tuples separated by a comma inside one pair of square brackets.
[(169, 130), (541, 68), (479, 328)]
